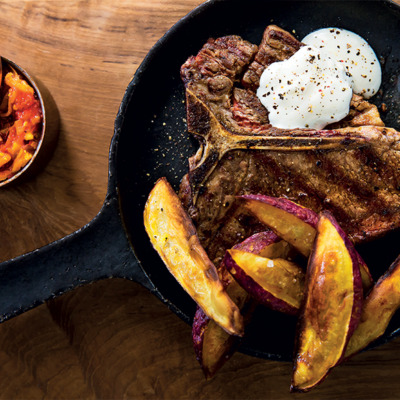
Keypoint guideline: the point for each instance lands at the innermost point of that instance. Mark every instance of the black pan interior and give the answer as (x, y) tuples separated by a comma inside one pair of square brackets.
[(153, 141)]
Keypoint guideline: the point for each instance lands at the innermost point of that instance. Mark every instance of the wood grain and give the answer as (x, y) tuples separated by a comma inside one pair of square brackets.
[(113, 339)]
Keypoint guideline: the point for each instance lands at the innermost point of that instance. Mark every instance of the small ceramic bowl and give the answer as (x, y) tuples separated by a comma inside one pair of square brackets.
[(48, 126)]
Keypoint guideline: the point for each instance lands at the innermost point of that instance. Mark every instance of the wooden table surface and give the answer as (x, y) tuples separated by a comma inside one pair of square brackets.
[(112, 339)]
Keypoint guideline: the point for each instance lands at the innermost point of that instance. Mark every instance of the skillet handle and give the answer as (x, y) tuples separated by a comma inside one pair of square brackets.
[(98, 250)]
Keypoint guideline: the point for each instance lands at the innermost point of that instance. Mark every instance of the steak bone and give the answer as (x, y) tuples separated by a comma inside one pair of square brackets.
[(215, 140)]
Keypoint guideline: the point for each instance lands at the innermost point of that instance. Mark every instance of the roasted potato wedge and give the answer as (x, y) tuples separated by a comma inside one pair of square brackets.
[(276, 283), (295, 224), (378, 308), (174, 237), (331, 308), (266, 244), (213, 346), (215, 341)]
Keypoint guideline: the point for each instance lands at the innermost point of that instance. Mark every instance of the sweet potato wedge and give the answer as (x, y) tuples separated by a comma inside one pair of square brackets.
[(174, 237), (213, 346), (378, 308), (290, 221), (331, 308), (276, 283), (295, 224), (266, 244), (211, 343)]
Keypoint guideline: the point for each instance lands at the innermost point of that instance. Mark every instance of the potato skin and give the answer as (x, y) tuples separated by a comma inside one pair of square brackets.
[(277, 284), (378, 308), (290, 221), (357, 278), (212, 345), (305, 214), (279, 213), (332, 306), (174, 237), (258, 243)]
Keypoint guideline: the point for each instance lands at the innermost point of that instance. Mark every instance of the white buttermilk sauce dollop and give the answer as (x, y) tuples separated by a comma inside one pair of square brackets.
[(356, 55), (314, 87), (309, 90)]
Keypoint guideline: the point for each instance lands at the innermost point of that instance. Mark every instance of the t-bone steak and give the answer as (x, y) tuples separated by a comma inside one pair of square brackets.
[(351, 168)]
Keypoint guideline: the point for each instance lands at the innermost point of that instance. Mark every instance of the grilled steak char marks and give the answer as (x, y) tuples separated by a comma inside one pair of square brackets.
[(212, 74), (276, 45), (350, 168)]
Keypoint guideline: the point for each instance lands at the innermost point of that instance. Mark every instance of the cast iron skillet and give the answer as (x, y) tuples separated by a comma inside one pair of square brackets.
[(150, 141)]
